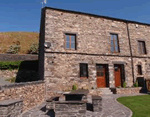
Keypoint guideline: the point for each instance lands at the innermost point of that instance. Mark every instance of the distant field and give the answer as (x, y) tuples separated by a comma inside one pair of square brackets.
[(24, 38)]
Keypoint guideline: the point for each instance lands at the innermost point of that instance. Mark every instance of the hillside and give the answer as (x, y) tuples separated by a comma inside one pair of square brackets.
[(24, 38)]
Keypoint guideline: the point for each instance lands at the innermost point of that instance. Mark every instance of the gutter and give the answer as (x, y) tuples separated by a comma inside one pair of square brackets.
[(130, 51)]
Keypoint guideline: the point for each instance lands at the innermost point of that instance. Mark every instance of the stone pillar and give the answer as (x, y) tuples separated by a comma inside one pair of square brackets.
[(11, 108), (97, 103), (111, 76)]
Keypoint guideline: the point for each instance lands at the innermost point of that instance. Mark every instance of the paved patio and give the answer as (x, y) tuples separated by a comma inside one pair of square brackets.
[(111, 108)]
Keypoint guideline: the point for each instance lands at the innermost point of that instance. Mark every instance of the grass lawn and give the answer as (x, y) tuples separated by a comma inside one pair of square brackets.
[(140, 105)]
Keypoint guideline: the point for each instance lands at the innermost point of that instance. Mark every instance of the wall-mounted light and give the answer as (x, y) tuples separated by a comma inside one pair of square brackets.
[(47, 45)]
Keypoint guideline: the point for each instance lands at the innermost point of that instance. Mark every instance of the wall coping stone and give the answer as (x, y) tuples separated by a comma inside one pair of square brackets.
[(95, 97), (70, 102), (10, 102), (130, 88), (21, 84)]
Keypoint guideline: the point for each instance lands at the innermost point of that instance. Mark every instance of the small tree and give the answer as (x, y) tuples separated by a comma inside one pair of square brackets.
[(34, 48)]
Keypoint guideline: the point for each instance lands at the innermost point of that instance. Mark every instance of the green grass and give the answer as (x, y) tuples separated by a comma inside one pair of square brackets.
[(140, 105)]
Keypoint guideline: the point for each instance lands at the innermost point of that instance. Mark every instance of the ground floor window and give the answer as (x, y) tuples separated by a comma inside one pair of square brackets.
[(139, 67), (83, 70)]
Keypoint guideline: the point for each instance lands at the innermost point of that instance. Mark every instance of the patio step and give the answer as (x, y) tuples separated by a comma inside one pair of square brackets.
[(105, 91)]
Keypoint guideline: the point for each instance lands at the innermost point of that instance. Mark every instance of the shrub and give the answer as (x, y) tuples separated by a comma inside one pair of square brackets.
[(34, 48), (10, 65), (135, 84), (124, 84), (74, 87), (14, 49)]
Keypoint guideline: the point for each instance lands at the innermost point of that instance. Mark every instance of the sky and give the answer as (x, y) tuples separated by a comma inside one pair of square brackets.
[(24, 15)]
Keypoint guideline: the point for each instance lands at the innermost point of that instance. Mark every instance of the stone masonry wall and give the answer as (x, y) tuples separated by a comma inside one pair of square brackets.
[(32, 93), (128, 90), (62, 70), (93, 33), (7, 74), (139, 32)]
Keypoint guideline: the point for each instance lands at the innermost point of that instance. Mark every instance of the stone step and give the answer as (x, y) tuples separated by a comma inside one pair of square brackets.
[(104, 91)]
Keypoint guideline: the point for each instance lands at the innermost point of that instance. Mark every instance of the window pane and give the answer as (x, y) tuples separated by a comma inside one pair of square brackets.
[(73, 45), (112, 46), (83, 70), (116, 44), (67, 38), (73, 39), (142, 48), (67, 45)]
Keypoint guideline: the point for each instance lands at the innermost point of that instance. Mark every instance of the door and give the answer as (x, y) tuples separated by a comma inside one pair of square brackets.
[(117, 75), (101, 74)]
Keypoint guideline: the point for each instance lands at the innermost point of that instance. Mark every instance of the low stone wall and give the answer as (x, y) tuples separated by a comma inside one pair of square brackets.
[(128, 90), (17, 57), (32, 93), (7, 74), (70, 109), (11, 108)]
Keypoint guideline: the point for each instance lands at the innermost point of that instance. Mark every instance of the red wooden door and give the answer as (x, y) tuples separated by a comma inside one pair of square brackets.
[(117, 75), (101, 70)]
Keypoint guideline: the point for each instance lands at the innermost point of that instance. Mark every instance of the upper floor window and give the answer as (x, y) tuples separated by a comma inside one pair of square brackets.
[(70, 41), (114, 43), (139, 67), (83, 70), (142, 47)]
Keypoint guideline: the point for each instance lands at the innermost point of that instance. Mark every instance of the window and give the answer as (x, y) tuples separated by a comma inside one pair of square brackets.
[(139, 67), (70, 41), (142, 47), (83, 70), (114, 43)]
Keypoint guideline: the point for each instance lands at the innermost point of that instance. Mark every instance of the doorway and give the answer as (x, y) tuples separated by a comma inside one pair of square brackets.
[(119, 75), (102, 75)]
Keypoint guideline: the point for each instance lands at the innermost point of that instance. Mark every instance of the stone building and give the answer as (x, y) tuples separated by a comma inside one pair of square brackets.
[(91, 50)]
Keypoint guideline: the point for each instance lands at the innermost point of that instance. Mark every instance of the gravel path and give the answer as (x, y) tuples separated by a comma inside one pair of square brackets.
[(111, 108)]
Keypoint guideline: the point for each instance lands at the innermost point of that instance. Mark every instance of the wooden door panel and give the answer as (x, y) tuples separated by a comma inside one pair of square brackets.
[(101, 70), (117, 75)]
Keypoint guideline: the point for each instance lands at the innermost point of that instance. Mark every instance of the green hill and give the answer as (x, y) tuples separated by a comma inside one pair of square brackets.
[(25, 39)]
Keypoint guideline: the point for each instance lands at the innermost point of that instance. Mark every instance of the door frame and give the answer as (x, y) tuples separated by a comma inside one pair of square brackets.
[(106, 73)]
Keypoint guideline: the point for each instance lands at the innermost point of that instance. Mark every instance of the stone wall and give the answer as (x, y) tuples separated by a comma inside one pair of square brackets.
[(70, 108), (11, 108), (62, 70), (93, 33), (139, 32), (17, 57), (7, 74), (134, 90), (32, 93)]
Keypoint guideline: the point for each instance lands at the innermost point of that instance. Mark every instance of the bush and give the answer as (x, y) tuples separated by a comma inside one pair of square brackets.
[(34, 48), (14, 49), (10, 65), (135, 84), (124, 84), (74, 87)]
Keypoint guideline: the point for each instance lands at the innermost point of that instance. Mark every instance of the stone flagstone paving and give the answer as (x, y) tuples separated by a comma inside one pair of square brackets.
[(111, 108)]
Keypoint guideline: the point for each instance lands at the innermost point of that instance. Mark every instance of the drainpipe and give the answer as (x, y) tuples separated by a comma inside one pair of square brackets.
[(130, 51)]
